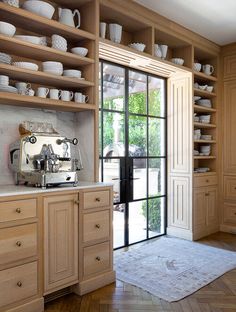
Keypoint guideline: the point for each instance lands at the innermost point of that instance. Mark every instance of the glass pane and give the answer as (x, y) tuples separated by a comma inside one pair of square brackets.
[(119, 225), (100, 170), (137, 136), (113, 134), (156, 215), (156, 137), (113, 87), (156, 97), (137, 221), (156, 177), (139, 178), (100, 133), (100, 85), (111, 174), (137, 93)]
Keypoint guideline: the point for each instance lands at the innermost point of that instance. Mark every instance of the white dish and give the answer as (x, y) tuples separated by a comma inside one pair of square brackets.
[(196, 85), (202, 169), (197, 67), (7, 29), (196, 98), (209, 88), (51, 64), (59, 43), (39, 7), (80, 51), (202, 87), (204, 102), (26, 65), (138, 46), (177, 61), (31, 39), (206, 137), (73, 73), (8, 89), (57, 72), (157, 50)]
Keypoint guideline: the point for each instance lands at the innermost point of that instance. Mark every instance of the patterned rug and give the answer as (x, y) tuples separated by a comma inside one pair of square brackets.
[(172, 268)]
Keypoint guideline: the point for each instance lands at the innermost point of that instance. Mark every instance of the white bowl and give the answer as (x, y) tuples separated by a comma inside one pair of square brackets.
[(196, 98), (80, 51), (202, 87), (7, 29), (138, 46), (206, 137), (57, 72), (52, 65), (209, 88), (39, 7), (197, 67), (157, 50), (177, 61), (204, 102), (59, 43), (31, 39), (72, 73), (26, 65), (205, 118)]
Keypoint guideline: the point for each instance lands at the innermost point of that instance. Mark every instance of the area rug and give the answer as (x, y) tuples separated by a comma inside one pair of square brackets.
[(172, 268)]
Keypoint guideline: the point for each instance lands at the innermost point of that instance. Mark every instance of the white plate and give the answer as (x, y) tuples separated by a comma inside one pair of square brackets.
[(8, 89)]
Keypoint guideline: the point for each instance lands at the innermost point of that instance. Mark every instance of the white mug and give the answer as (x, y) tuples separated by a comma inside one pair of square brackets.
[(66, 95), (30, 92), (42, 92), (54, 94), (103, 27), (85, 98), (78, 97), (163, 48), (208, 69), (22, 85)]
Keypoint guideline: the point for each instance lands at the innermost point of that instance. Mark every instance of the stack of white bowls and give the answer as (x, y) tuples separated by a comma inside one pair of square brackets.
[(197, 134), (7, 29), (55, 68), (206, 137), (5, 58), (205, 150), (59, 43), (204, 102), (205, 118)]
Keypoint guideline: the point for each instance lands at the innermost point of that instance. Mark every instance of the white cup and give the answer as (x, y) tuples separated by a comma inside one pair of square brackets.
[(103, 27), (208, 69), (54, 94), (22, 85), (115, 32), (163, 48), (66, 95), (42, 92), (30, 92), (78, 97), (4, 80), (85, 98)]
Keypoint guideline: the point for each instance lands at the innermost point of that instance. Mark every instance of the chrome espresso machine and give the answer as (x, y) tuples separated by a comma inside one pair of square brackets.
[(44, 158)]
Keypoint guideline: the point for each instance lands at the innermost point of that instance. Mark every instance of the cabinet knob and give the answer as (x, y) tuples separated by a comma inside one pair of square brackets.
[(18, 243), (97, 226), (97, 199), (98, 258), (235, 213), (76, 202), (207, 181), (207, 194), (19, 284), (18, 210)]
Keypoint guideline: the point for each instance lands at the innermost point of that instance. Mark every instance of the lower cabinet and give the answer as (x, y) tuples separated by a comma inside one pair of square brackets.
[(205, 217), (60, 241)]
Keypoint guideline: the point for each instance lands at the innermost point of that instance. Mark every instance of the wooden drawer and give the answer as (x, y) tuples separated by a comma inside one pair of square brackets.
[(96, 199), (18, 242), (96, 225), (96, 259), (17, 209), (230, 188), (205, 181), (18, 283), (229, 213)]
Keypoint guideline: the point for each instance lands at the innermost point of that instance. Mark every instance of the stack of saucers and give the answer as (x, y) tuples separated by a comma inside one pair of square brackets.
[(5, 58)]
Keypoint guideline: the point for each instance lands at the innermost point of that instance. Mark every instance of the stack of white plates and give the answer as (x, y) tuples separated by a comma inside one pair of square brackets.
[(205, 118), (10, 89), (5, 58), (202, 169), (204, 102)]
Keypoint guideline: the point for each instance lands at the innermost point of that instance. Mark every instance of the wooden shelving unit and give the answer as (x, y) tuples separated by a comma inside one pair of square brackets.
[(198, 108), (204, 93), (203, 125)]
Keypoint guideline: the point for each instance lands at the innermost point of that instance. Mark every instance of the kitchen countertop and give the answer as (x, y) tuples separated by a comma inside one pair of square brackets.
[(14, 190)]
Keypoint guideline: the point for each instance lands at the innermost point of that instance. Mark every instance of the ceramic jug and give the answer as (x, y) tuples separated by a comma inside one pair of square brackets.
[(66, 16)]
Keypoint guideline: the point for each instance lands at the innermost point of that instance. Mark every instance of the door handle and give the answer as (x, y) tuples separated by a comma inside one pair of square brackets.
[(117, 179)]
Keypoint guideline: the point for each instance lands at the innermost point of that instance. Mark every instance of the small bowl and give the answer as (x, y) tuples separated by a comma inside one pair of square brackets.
[(138, 46), (197, 67), (7, 29), (202, 87), (196, 98), (26, 65), (54, 65), (80, 51), (177, 61), (31, 39), (209, 88), (73, 73), (39, 7)]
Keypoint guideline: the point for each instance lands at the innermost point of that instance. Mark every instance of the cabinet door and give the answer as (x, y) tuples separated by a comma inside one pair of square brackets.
[(60, 242), (212, 207), (200, 209)]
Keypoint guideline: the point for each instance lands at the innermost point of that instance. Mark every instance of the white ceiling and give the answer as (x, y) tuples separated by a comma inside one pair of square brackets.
[(213, 19)]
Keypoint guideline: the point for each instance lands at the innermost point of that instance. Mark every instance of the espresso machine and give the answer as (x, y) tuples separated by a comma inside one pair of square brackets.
[(45, 159)]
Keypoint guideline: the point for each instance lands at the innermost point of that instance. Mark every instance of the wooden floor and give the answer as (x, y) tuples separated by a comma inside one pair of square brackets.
[(219, 296)]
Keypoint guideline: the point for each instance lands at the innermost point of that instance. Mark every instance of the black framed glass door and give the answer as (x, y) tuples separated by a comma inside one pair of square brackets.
[(133, 150)]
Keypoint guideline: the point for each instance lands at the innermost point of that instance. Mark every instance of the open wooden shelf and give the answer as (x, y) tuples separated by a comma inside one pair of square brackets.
[(202, 174), (37, 102), (204, 93), (205, 141), (203, 125), (41, 25), (198, 108), (204, 157), (40, 77), (42, 53), (202, 76)]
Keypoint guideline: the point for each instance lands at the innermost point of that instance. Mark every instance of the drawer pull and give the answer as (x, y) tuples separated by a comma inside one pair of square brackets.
[(97, 226), (235, 213), (76, 202), (18, 210), (19, 284), (207, 181), (98, 258), (97, 199), (18, 243), (207, 194)]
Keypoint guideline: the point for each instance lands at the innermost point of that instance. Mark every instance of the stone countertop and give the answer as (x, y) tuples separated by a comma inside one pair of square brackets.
[(14, 190)]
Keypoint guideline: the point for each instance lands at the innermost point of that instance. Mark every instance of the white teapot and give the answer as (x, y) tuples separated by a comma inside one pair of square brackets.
[(66, 16)]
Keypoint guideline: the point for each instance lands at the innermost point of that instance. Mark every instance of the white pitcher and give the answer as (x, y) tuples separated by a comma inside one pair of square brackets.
[(66, 16)]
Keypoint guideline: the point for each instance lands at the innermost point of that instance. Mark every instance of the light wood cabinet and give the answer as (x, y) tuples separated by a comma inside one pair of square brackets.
[(205, 217), (60, 241)]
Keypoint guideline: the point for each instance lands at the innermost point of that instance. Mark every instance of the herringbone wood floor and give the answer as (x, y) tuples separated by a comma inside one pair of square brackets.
[(219, 296)]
